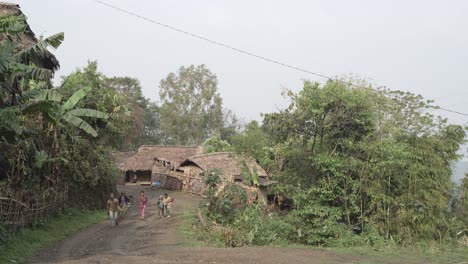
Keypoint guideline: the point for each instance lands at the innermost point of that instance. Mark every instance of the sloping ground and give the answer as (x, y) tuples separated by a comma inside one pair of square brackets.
[(155, 240)]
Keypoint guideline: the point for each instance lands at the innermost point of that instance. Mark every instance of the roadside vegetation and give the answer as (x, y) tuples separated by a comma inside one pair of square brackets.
[(29, 241), (365, 167)]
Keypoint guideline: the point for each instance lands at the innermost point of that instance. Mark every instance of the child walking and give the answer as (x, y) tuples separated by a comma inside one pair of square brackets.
[(168, 204), (113, 209), (142, 201), (124, 204), (160, 206)]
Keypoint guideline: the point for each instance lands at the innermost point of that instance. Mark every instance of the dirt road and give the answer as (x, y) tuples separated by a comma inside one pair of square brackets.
[(155, 240)]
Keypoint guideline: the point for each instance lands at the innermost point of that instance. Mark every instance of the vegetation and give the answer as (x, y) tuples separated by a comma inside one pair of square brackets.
[(216, 144), (191, 109), (29, 241), (364, 166), (52, 138)]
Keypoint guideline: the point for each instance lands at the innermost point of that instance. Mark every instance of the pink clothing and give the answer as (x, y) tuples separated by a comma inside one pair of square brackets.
[(142, 211), (142, 201)]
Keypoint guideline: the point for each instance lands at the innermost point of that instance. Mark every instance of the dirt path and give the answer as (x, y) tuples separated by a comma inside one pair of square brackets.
[(155, 240)]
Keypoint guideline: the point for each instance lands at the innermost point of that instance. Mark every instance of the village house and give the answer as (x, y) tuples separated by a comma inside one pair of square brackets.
[(233, 167), (155, 163), (182, 168), (120, 157)]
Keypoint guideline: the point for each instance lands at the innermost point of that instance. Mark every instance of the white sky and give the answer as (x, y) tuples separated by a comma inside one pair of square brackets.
[(419, 46)]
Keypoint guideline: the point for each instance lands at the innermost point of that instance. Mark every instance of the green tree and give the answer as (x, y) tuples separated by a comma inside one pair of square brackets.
[(460, 202), (232, 126), (137, 106), (191, 109), (119, 130), (44, 131), (152, 125), (366, 157), (251, 141), (215, 144)]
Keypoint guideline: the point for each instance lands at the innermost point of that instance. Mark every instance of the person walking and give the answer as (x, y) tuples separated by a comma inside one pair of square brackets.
[(113, 209), (142, 201), (160, 204), (124, 203), (168, 204)]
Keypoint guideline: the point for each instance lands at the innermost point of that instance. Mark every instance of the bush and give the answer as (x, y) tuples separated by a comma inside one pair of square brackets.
[(275, 231), (252, 227), (223, 207)]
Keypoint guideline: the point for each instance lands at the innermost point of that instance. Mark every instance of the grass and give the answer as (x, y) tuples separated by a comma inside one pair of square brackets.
[(192, 237), (429, 253), (27, 242)]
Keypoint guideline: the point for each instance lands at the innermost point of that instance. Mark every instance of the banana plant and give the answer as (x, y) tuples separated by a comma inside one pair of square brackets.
[(18, 62), (48, 105), (48, 102)]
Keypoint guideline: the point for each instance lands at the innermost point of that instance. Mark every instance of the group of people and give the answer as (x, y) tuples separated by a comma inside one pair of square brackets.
[(118, 207)]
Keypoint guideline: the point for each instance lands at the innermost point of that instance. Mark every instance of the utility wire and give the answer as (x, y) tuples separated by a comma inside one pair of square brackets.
[(214, 42), (452, 111), (236, 49)]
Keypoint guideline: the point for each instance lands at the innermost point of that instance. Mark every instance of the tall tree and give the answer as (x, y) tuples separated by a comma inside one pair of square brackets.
[(232, 125), (109, 99), (152, 125), (366, 157), (136, 104), (191, 109)]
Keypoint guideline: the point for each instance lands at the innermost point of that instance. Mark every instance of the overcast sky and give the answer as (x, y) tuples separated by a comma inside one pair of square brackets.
[(418, 46)]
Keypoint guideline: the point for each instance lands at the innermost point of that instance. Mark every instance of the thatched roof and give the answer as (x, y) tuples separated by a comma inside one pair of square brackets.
[(144, 158), (120, 157), (231, 164), (27, 38)]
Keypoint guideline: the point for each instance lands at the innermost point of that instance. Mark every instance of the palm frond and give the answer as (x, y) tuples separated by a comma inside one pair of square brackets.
[(7, 48), (80, 123), (17, 69), (39, 107), (75, 98), (88, 113), (48, 95), (40, 48)]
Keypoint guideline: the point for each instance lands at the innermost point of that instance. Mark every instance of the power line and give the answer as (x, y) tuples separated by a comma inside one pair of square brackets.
[(452, 111), (214, 42), (236, 49)]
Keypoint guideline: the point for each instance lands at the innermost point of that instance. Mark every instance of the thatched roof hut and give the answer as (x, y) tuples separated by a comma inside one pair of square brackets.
[(231, 164), (27, 38), (146, 155), (120, 157)]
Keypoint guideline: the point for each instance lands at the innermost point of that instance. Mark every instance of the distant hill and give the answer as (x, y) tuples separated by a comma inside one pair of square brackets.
[(460, 169)]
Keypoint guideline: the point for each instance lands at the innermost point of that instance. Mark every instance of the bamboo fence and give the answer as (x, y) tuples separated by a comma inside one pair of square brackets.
[(18, 210)]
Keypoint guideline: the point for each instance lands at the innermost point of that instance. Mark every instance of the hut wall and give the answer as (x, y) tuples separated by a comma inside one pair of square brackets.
[(168, 182), (196, 186)]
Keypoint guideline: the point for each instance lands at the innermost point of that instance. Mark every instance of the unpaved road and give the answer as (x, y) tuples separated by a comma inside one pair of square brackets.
[(155, 240)]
